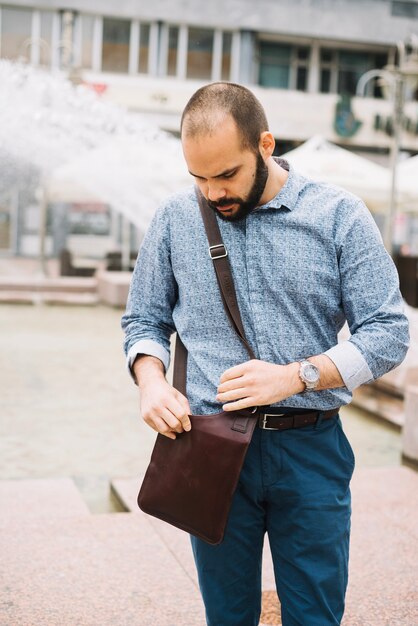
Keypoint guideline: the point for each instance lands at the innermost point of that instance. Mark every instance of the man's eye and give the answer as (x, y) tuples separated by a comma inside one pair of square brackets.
[(230, 175)]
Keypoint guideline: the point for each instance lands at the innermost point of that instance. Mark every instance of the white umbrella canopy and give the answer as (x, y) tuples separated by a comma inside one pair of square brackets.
[(324, 161), (133, 177), (84, 148), (407, 177)]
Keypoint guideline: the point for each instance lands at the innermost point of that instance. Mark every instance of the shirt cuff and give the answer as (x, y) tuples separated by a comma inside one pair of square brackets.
[(351, 364), (149, 347)]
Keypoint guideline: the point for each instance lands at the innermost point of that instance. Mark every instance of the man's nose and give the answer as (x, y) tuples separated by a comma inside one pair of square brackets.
[(216, 192)]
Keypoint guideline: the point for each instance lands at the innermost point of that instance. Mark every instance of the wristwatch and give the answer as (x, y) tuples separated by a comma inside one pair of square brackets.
[(309, 374)]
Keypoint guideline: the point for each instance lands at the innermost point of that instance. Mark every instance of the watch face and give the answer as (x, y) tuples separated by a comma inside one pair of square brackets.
[(310, 372)]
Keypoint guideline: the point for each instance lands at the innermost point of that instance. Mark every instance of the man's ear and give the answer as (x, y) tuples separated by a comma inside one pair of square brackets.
[(266, 144)]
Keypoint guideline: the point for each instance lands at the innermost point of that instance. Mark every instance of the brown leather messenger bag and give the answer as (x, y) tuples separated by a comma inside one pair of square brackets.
[(190, 481)]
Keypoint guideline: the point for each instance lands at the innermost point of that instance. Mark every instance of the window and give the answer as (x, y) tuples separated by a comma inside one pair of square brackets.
[(144, 36), (274, 65), (173, 41), (87, 33), (341, 70), (301, 65), (283, 66), (328, 70), (5, 230), (406, 9), (351, 66), (89, 219), (115, 51), (199, 54), (301, 78), (226, 56), (16, 33)]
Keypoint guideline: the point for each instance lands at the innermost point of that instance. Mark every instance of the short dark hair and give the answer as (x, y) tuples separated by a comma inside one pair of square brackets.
[(202, 112)]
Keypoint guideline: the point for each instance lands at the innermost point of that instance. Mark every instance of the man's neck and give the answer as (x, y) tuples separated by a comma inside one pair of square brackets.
[(275, 181)]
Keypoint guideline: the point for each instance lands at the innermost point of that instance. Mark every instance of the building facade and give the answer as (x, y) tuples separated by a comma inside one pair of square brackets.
[(299, 56), (302, 58)]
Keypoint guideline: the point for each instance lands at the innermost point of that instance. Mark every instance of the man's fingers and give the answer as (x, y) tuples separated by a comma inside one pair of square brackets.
[(243, 403), (234, 394), (160, 426), (166, 412), (172, 420), (234, 372), (183, 412), (230, 385)]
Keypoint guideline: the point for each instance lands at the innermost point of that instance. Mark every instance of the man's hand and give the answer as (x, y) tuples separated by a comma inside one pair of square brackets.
[(258, 383), (163, 408)]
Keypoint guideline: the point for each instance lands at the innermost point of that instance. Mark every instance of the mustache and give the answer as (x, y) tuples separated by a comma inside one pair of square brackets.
[(224, 202)]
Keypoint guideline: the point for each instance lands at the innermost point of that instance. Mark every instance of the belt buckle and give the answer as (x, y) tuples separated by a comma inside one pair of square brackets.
[(264, 420)]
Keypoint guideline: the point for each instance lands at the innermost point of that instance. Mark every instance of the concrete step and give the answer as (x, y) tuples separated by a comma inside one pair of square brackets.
[(47, 297), (113, 287), (41, 499), (373, 399), (59, 290), (66, 284), (126, 491)]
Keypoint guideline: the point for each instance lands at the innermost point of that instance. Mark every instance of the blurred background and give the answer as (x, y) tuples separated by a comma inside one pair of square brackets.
[(345, 73), (91, 95)]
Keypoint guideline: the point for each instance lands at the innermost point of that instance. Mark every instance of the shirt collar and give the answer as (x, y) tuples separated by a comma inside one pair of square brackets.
[(289, 193)]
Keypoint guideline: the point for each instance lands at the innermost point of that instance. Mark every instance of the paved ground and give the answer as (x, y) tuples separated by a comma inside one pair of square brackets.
[(68, 406), (69, 410)]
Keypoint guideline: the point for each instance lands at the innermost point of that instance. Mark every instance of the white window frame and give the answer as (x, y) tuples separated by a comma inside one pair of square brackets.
[(163, 49), (182, 49), (55, 41), (134, 47), (217, 50), (235, 56), (78, 40), (97, 44), (153, 49), (34, 51)]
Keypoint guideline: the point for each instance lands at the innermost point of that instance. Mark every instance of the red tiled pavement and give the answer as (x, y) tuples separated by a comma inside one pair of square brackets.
[(70, 568), (97, 570), (384, 546)]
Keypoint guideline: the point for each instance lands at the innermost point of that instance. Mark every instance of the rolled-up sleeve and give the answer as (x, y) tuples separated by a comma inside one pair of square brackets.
[(371, 300), (148, 322), (351, 364)]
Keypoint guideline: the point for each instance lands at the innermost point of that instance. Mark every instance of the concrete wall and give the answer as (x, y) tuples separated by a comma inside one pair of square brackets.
[(366, 21)]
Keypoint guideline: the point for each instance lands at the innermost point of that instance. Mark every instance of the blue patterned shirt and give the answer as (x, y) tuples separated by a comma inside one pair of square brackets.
[(302, 264)]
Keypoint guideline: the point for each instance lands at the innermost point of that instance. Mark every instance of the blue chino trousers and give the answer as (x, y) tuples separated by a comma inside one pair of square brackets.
[(294, 485)]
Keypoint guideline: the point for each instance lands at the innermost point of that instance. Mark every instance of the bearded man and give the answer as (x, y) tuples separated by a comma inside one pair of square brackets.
[(305, 258)]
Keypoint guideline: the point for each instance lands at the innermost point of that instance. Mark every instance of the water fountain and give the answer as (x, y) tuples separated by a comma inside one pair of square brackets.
[(66, 135)]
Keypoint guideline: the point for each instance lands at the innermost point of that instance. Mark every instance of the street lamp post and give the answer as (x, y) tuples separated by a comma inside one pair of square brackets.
[(396, 76)]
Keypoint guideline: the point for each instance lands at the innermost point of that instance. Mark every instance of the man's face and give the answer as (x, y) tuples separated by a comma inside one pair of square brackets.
[(231, 178)]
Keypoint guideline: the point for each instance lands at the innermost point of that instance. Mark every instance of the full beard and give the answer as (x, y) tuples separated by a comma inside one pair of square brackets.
[(251, 202)]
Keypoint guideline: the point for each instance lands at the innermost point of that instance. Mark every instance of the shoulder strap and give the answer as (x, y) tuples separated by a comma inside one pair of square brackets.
[(219, 256)]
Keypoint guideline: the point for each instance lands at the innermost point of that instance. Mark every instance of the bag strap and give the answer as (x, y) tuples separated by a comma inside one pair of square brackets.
[(219, 255)]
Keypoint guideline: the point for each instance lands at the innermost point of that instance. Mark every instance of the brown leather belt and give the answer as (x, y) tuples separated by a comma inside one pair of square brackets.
[(285, 421)]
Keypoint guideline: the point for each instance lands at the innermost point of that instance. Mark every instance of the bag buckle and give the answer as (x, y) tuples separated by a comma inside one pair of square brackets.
[(223, 252), (263, 421)]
